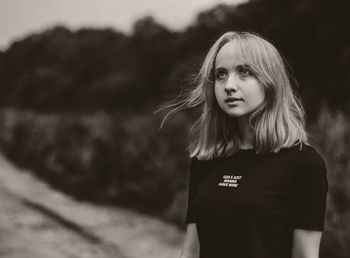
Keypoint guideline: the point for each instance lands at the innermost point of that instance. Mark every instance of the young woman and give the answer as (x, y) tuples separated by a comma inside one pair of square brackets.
[(256, 188)]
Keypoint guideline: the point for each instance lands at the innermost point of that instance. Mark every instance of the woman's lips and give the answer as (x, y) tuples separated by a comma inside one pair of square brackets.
[(232, 100)]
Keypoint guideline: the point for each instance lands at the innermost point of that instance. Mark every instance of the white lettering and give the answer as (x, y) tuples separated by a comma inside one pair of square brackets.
[(230, 181)]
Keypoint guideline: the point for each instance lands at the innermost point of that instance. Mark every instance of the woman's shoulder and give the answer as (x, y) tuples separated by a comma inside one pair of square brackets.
[(309, 153), (308, 158), (303, 150)]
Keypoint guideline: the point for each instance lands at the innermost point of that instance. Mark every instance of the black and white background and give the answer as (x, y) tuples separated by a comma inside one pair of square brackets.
[(85, 170)]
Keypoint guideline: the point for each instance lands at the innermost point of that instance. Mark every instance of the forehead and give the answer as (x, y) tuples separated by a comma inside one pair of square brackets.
[(231, 54)]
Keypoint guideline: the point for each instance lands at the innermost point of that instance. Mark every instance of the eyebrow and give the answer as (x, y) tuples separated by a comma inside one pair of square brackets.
[(239, 64), (220, 68)]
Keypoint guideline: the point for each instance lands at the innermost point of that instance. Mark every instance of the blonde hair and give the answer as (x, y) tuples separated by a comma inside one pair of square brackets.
[(278, 122)]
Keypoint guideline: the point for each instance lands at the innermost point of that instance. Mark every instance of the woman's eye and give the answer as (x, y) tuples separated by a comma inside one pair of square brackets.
[(244, 71), (220, 75)]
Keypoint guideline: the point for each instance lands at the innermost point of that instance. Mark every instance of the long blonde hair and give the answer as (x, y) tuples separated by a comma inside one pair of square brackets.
[(278, 122)]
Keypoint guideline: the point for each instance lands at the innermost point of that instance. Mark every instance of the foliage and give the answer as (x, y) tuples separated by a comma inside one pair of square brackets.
[(95, 157), (331, 133), (102, 69)]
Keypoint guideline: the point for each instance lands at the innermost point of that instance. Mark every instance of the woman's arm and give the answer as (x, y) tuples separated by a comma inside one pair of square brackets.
[(306, 243), (190, 247)]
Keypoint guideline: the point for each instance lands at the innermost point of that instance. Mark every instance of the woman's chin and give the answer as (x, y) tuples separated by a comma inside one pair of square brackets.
[(234, 113)]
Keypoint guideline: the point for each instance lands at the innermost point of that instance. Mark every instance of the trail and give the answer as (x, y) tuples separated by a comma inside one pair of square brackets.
[(37, 221)]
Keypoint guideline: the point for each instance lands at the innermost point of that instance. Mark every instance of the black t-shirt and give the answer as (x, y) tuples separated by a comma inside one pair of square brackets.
[(247, 205)]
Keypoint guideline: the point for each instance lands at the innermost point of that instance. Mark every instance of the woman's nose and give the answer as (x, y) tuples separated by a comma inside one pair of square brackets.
[(231, 83)]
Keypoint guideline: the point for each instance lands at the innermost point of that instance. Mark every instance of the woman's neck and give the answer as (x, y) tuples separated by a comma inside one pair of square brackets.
[(247, 133)]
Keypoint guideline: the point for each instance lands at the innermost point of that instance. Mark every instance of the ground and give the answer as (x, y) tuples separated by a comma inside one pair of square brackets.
[(39, 222)]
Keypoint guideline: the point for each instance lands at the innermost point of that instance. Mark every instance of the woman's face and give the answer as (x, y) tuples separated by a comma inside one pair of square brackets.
[(237, 90)]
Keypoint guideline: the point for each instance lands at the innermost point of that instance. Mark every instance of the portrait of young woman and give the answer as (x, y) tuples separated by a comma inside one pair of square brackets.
[(257, 188)]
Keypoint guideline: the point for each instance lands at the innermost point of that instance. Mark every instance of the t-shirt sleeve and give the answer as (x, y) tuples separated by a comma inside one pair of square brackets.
[(310, 187), (192, 191)]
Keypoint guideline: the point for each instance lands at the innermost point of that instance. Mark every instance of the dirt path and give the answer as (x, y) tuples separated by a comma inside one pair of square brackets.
[(27, 233), (39, 222)]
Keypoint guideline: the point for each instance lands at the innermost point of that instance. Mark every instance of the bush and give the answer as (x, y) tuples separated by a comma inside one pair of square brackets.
[(108, 158), (331, 132)]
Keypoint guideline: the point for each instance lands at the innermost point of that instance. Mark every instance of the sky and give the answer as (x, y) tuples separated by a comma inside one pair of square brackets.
[(19, 18)]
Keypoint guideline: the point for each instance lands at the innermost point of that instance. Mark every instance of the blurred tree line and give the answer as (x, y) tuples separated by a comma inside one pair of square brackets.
[(89, 69), (77, 106)]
